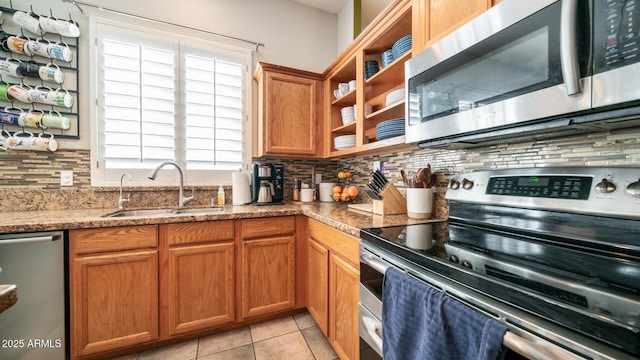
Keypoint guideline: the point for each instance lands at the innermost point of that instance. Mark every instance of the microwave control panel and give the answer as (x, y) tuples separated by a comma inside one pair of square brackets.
[(617, 34)]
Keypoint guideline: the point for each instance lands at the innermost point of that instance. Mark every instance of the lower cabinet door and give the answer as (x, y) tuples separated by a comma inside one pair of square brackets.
[(318, 284), (344, 280), (114, 301), (268, 275), (201, 287)]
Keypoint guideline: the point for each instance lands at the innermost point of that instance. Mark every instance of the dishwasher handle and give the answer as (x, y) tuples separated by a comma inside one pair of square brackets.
[(30, 240)]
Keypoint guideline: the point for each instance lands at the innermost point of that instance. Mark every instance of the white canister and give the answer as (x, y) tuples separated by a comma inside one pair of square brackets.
[(325, 191), (419, 203), (306, 195)]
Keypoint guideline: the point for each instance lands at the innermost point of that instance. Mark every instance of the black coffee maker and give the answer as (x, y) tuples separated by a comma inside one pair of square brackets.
[(268, 184)]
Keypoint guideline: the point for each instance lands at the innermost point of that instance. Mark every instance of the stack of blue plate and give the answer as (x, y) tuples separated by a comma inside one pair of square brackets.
[(370, 68), (401, 46), (387, 57), (390, 128)]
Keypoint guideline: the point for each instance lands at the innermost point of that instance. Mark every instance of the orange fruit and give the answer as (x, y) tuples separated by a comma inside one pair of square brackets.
[(336, 196), (344, 197), (347, 174), (336, 189), (353, 191), (341, 175)]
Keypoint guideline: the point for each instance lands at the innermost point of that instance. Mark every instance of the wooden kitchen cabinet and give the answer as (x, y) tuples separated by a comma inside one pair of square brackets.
[(289, 112), (332, 292), (113, 288), (197, 281), (267, 266), (434, 19), (387, 29)]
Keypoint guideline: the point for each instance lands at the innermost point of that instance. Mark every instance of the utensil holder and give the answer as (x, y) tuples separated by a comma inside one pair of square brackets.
[(392, 203)]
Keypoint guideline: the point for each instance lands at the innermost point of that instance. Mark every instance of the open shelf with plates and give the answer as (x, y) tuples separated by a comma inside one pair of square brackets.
[(392, 27)]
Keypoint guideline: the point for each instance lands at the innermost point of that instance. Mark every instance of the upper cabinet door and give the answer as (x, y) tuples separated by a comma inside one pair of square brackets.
[(434, 19), (289, 112)]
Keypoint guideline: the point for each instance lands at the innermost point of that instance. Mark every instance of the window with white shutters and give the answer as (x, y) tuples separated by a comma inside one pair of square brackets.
[(161, 98)]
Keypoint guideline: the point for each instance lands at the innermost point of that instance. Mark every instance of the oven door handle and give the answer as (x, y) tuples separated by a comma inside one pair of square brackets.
[(373, 330), (374, 262), (532, 350)]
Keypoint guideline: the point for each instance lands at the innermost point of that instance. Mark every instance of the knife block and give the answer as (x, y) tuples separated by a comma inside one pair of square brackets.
[(392, 203)]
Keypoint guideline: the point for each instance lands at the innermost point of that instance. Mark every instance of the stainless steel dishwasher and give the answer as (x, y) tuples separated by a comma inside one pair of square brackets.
[(35, 327)]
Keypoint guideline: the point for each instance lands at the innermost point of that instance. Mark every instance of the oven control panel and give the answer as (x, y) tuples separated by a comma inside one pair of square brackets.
[(560, 187), (602, 191)]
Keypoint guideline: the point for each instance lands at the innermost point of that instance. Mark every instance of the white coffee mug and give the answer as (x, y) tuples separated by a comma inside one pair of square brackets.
[(32, 118), (60, 51), (51, 72), (26, 21), (45, 95), (352, 85), (17, 43), (59, 26), (37, 47), (10, 67), (343, 87), (337, 93), (20, 92), (54, 120)]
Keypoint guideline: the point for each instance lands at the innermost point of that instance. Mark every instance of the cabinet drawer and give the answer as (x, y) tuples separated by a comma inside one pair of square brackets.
[(343, 244), (265, 227), (113, 239), (198, 232)]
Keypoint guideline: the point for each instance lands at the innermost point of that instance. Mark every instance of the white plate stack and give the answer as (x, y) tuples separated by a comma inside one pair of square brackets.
[(344, 141), (348, 115), (395, 96)]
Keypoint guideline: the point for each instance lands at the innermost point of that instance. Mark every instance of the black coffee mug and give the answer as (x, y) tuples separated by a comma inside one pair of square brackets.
[(30, 69)]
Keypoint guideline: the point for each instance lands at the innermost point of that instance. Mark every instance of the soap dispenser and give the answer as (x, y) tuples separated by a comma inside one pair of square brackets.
[(220, 195)]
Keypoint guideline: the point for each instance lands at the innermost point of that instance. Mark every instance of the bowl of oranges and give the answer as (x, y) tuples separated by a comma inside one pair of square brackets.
[(344, 194)]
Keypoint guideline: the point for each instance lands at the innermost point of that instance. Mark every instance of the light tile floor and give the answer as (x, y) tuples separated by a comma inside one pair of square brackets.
[(295, 337)]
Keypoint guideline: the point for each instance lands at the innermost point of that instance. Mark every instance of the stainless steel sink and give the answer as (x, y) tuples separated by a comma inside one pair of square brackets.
[(153, 212), (131, 213), (211, 210)]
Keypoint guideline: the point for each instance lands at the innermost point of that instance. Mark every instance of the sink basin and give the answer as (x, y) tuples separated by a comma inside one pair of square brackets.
[(152, 212), (211, 210), (130, 213)]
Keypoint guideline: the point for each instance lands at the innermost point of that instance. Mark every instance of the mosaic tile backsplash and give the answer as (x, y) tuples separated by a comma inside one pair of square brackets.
[(31, 180)]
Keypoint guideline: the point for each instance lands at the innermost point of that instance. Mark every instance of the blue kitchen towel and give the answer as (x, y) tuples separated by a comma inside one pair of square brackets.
[(420, 322)]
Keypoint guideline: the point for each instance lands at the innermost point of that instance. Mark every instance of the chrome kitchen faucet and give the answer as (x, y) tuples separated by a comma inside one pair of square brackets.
[(182, 201)]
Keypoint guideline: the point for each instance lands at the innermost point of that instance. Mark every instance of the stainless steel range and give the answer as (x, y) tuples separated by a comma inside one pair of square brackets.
[(552, 252)]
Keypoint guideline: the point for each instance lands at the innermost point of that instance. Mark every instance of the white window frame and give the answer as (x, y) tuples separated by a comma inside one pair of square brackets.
[(100, 176)]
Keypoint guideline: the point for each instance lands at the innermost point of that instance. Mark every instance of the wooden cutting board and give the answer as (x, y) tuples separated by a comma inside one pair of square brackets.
[(366, 207)]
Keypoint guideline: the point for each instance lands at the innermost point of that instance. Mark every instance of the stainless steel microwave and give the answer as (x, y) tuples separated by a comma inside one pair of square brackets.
[(527, 69)]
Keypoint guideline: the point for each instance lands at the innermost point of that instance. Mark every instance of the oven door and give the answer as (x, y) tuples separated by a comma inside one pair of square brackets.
[(517, 63)]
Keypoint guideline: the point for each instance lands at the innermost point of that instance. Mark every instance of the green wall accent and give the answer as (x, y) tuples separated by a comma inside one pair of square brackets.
[(357, 18)]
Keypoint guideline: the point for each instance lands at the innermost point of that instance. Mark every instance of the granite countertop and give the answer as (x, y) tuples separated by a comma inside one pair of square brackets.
[(332, 214), (8, 296)]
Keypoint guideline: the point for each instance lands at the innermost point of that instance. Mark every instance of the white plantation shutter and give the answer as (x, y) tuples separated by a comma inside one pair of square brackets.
[(165, 98), (213, 113), (138, 105)]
